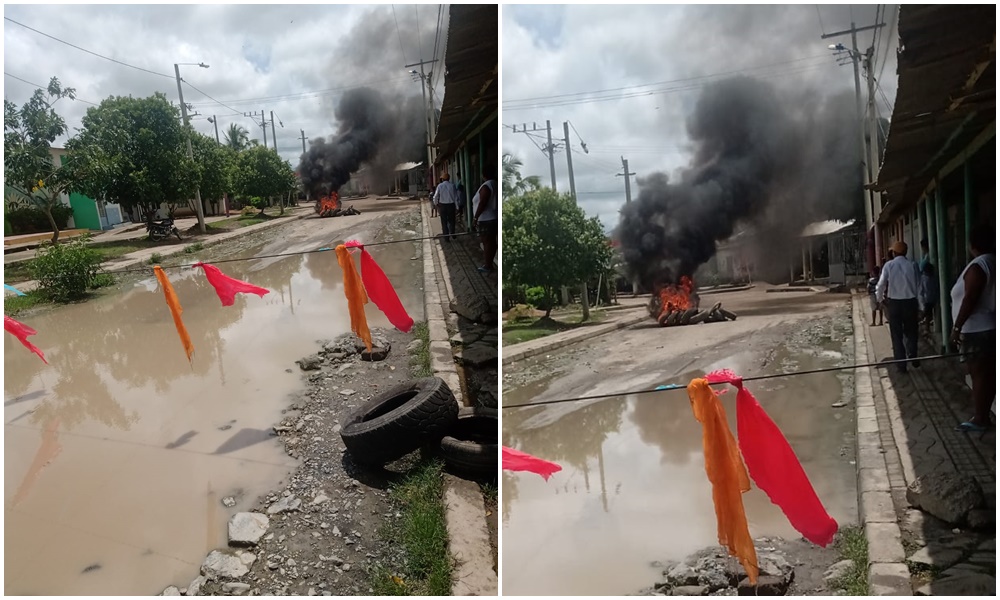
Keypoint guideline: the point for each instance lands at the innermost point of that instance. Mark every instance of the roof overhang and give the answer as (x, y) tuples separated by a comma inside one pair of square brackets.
[(471, 79), (946, 97)]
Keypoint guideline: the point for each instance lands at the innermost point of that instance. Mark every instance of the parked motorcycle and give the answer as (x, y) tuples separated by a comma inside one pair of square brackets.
[(162, 229)]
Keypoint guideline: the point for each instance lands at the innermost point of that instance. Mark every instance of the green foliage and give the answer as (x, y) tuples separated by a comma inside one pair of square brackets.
[(513, 184), (261, 172), (237, 138), (539, 298), (66, 271), (420, 357), (195, 247), (156, 258), (29, 219), (549, 242), (852, 544), (215, 165), (132, 151), (521, 312), (249, 210)]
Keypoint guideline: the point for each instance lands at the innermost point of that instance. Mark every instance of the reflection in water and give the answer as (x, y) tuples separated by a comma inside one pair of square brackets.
[(244, 438), (181, 440), (48, 450)]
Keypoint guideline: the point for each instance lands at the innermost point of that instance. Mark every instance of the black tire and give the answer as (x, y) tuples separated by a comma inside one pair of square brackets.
[(399, 421), (155, 236), (470, 448)]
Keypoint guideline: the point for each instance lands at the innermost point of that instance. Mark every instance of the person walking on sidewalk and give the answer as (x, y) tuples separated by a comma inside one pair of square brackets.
[(974, 311), (485, 205), (872, 286), (898, 287), (928, 295), (446, 199)]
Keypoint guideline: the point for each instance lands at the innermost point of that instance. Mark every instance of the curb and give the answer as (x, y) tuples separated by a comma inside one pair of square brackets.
[(712, 291), (512, 354), (464, 505), (28, 286), (888, 574)]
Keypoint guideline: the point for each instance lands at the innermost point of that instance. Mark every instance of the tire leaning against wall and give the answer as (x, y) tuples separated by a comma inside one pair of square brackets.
[(400, 420), (470, 448)]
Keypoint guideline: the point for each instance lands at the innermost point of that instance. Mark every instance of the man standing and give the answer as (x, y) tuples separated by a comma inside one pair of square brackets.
[(898, 287), (446, 199), (485, 204)]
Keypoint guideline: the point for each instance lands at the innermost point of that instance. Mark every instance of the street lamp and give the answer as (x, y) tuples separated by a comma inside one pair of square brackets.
[(215, 122), (184, 115)]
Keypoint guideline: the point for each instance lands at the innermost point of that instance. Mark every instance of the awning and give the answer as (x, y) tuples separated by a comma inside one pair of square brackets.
[(825, 228), (471, 86), (946, 95)]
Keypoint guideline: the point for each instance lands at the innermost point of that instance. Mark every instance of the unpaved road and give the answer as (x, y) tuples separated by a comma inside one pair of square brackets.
[(118, 454), (633, 493)]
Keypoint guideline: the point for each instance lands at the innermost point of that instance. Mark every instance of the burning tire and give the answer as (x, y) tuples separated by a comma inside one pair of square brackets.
[(399, 421), (470, 448)]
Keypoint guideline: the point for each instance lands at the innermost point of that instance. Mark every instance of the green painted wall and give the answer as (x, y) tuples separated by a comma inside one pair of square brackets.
[(85, 215)]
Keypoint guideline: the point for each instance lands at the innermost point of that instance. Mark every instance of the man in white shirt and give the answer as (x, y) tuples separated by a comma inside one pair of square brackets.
[(485, 205), (898, 288), (446, 199)]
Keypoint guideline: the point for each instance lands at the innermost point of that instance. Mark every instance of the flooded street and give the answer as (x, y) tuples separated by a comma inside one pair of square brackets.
[(118, 454), (633, 491)]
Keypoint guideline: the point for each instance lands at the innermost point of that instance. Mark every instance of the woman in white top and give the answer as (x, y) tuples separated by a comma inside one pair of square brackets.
[(973, 308)]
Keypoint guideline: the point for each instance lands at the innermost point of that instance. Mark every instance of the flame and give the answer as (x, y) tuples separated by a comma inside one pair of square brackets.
[(331, 202), (676, 296)]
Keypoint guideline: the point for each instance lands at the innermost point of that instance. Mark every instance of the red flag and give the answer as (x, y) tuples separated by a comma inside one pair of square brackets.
[(515, 460), (227, 287), (774, 466), (21, 332), (380, 290)]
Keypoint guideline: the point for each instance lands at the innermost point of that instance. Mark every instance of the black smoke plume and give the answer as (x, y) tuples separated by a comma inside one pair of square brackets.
[(772, 159), (373, 131)]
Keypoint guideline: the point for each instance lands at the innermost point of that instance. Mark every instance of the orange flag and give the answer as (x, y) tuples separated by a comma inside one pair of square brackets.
[(725, 470), (354, 289), (175, 310)]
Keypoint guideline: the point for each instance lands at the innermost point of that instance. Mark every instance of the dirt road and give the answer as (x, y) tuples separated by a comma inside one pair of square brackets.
[(633, 493), (118, 454)]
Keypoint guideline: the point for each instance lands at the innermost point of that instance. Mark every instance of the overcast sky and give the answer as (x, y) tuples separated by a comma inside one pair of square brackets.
[(294, 60), (554, 55)]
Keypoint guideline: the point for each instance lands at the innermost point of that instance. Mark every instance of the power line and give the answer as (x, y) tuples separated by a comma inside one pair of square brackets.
[(888, 37), (309, 95), (677, 387), (398, 35), (45, 87), (88, 51), (820, 17), (420, 47), (211, 98)]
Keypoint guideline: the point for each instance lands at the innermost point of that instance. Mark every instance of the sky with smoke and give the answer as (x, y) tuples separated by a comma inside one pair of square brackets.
[(297, 61), (649, 65)]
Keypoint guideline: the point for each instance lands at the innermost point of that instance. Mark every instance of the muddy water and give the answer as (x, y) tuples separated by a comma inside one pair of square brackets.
[(117, 455), (633, 489)]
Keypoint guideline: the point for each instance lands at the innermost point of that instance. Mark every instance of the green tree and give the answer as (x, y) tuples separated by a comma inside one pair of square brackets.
[(237, 137), (548, 241), (260, 172), (513, 183), (132, 151), (215, 166), (29, 168)]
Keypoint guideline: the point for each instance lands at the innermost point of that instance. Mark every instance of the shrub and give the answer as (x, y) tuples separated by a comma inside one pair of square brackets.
[(28, 219), (521, 312), (66, 271), (537, 297), (248, 210), (156, 258)]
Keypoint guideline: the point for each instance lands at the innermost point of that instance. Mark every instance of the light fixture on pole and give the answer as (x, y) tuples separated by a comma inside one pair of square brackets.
[(198, 209), (214, 121)]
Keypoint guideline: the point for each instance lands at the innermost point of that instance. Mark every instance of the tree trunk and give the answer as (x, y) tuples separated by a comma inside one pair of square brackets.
[(281, 205), (549, 302), (52, 222)]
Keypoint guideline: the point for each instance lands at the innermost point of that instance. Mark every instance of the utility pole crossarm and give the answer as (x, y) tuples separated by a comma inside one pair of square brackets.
[(851, 30)]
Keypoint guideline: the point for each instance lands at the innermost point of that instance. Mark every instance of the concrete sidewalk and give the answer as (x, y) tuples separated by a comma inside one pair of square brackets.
[(141, 257), (906, 431)]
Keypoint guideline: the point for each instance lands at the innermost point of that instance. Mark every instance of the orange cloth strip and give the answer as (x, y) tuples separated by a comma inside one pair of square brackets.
[(725, 470), (175, 310), (354, 289)]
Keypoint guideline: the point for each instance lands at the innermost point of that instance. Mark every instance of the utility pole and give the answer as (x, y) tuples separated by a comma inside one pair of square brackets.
[(215, 121), (585, 297), (303, 138), (274, 137), (628, 198), (873, 160), (865, 167), (198, 210), (263, 126), (548, 149), (427, 112)]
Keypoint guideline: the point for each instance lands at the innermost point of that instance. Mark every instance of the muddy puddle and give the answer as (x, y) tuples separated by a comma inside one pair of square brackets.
[(118, 454), (633, 490)]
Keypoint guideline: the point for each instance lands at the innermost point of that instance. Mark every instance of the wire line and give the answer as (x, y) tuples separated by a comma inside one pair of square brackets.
[(44, 87)]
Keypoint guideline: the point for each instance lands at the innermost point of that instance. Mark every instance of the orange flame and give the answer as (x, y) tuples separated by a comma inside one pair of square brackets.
[(676, 296), (331, 202)]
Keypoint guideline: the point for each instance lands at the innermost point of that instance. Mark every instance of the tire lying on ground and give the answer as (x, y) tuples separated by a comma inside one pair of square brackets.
[(470, 448), (400, 420)]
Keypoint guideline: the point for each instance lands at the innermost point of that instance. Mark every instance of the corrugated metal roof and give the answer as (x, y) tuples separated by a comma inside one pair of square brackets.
[(825, 228), (407, 166), (946, 94), (471, 88)]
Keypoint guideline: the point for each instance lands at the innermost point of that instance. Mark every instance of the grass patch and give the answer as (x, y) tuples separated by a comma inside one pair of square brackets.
[(238, 222), (425, 567), (112, 250), (156, 258), (852, 545), (516, 332), (17, 272), (14, 305), (195, 247), (490, 492), (420, 358)]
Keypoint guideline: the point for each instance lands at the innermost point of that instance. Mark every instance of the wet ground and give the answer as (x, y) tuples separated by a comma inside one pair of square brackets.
[(633, 491), (118, 454)]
